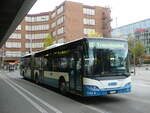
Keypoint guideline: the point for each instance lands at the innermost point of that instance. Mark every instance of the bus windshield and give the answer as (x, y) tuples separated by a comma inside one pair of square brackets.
[(107, 58)]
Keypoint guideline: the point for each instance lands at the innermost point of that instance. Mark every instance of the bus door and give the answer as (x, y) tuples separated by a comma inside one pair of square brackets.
[(43, 63), (32, 73), (76, 72), (40, 68), (32, 67)]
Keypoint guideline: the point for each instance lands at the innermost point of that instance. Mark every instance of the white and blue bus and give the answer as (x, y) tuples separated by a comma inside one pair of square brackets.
[(85, 67)]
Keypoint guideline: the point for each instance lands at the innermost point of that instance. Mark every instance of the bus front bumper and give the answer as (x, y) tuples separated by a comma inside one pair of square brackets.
[(94, 91)]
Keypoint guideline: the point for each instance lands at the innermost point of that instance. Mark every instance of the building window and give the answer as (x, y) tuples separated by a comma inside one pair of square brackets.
[(60, 31), (18, 27), (42, 18), (87, 21), (13, 45), (28, 19), (88, 11), (53, 15), (88, 30), (60, 10), (37, 27), (60, 20), (53, 24), (36, 18), (54, 33), (15, 36), (13, 53), (36, 36), (54, 42), (34, 45), (62, 40), (27, 52)]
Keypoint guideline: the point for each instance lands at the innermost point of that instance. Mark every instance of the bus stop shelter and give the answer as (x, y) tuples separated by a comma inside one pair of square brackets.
[(11, 14)]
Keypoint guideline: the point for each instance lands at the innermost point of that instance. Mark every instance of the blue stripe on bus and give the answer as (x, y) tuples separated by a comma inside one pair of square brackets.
[(53, 82), (50, 81), (94, 91)]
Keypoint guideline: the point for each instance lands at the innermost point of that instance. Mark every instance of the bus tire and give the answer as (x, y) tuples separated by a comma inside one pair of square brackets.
[(23, 74), (37, 79), (62, 86)]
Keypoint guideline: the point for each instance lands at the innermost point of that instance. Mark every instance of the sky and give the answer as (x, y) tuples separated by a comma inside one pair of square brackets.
[(122, 11)]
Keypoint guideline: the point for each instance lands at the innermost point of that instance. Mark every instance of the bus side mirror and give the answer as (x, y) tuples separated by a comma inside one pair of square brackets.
[(132, 72)]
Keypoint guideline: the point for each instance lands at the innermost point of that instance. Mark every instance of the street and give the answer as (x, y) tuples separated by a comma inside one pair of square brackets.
[(18, 95)]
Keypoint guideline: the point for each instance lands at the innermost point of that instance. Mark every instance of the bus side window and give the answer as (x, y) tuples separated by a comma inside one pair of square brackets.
[(49, 63), (71, 65), (45, 63), (38, 62), (71, 62), (63, 64), (55, 63)]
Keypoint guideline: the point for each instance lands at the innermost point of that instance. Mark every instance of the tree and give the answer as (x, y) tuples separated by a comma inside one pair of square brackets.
[(48, 41), (131, 45), (94, 34), (136, 48), (139, 50)]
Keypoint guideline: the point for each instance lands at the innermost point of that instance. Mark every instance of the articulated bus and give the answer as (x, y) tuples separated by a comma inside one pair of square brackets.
[(85, 67)]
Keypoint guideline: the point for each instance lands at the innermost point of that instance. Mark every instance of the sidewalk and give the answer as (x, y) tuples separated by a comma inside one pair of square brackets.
[(142, 74)]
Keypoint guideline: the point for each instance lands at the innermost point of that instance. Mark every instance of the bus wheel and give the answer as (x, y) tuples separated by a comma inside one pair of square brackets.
[(37, 79), (23, 74), (62, 87)]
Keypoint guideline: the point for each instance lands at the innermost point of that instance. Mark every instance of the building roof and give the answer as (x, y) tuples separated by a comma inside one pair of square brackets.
[(39, 14), (132, 23)]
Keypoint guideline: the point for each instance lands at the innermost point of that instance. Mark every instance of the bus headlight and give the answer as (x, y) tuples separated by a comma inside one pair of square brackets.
[(92, 88)]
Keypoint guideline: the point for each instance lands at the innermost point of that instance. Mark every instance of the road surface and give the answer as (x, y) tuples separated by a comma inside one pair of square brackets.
[(22, 96)]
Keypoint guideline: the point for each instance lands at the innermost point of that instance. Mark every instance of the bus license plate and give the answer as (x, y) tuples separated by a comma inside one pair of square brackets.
[(112, 92)]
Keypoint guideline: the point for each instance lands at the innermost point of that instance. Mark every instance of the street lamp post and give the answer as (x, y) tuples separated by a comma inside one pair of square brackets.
[(2, 57), (134, 56)]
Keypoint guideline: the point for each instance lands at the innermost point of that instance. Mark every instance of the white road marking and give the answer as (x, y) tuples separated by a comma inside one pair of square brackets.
[(37, 106), (51, 107), (96, 109), (35, 97)]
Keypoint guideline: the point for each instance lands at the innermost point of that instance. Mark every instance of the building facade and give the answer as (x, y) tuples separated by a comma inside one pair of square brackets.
[(29, 34), (138, 30), (130, 28), (143, 35), (71, 21), (68, 21)]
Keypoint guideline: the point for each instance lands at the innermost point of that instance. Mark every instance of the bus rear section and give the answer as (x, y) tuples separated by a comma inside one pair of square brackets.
[(106, 68)]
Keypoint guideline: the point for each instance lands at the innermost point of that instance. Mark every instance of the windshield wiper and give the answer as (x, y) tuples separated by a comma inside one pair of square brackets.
[(126, 74), (123, 74)]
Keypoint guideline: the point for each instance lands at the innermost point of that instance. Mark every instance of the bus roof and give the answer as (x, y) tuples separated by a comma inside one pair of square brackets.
[(62, 44), (102, 38), (29, 54)]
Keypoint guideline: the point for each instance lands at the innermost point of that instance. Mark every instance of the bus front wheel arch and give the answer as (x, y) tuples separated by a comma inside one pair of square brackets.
[(62, 85)]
